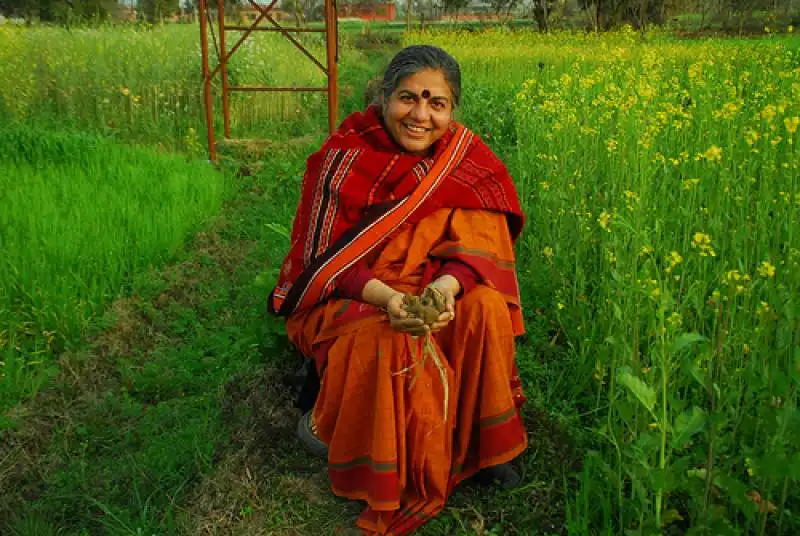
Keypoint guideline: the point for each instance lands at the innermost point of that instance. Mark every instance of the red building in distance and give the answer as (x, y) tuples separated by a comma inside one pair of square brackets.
[(381, 11)]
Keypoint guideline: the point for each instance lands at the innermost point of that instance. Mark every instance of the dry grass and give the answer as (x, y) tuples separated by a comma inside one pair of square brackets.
[(263, 483), (255, 151)]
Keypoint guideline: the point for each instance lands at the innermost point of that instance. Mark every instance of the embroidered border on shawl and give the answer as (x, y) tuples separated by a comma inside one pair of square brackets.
[(494, 259), (455, 158), (333, 198), (422, 168), (380, 221), (316, 203), (385, 173), (323, 211), (479, 187)]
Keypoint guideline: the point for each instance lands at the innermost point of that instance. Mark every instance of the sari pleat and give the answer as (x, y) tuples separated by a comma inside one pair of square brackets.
[(380, 404)]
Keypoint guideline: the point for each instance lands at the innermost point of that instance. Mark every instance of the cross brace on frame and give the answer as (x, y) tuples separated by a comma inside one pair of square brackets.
[(263, 10)]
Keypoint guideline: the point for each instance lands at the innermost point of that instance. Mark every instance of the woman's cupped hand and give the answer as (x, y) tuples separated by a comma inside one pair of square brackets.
[(402, 321)]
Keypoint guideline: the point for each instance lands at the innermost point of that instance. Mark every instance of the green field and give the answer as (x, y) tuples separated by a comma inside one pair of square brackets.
[(141, 385)]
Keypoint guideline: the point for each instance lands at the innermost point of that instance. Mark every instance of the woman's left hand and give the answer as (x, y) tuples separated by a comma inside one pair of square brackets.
[(449, 287)]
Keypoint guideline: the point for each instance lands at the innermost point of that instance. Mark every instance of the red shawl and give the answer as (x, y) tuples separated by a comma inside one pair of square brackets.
[(360, 187)]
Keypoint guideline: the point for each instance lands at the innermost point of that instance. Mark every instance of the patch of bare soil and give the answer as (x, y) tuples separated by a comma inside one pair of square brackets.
[(253, 151), (130, 330), (263, 482), (550, 457)]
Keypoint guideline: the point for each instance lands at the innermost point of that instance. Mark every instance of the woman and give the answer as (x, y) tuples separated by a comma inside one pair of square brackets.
[(399, 199)]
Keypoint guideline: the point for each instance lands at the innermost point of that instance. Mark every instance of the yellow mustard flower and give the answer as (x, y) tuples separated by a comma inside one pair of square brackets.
[(731, 276), (791, 124), (673, 259), (689, 184), (769, 112), (604, 220), (751, 137), (702, 243), (766, 270), (714, 154)]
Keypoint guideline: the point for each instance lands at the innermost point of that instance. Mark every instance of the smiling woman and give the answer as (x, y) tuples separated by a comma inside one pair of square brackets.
[(419, 111), (403, 201)]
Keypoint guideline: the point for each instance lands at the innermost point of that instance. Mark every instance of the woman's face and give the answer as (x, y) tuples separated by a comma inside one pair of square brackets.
[(419, 111)]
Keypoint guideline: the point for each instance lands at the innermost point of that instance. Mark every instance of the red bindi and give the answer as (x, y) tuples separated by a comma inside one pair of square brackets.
[(426, 94)]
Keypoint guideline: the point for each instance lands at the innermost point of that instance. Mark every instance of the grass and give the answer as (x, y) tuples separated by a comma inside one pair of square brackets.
[(659, 270), (174, 420), (82, 216), (129, 444), (141, 84)]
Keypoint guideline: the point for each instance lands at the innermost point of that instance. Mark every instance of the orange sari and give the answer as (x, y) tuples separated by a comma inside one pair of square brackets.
[(380, 405)]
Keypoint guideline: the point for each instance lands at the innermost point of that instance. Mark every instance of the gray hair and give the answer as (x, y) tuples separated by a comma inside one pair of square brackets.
[(412, 60)]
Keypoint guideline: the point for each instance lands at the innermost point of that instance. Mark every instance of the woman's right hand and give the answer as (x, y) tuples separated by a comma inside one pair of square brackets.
[(399, 319)]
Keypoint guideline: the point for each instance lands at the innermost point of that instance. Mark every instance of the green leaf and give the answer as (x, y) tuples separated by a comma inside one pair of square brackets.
[(794, 467), (736, 492), (280, 230), (692, 368), (684, 341), (671, 516), (686, 425), (643, 392), (617, 311)]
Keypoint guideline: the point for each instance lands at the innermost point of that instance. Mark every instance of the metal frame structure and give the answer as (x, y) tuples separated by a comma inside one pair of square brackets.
[(263, 10)]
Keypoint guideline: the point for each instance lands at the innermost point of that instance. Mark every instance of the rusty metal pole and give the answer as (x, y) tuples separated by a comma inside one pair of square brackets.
[(332, 53), (206, 27), (332, 59), (223, 61), (206, 79)]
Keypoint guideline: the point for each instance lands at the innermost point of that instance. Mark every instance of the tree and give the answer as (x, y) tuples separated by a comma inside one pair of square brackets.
[(503, 8), (426, 9), (607, 14), (58, 11), (156, 10), (541, 12), (454, 6), (304, 10), (741, 10), (736, 14), (193, 6)]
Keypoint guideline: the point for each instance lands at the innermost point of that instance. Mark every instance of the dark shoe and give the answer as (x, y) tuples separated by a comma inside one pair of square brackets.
[(309, 438), (503, 476)]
